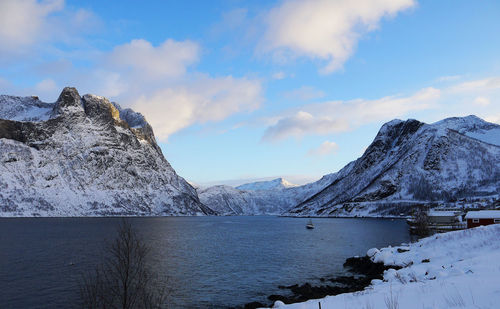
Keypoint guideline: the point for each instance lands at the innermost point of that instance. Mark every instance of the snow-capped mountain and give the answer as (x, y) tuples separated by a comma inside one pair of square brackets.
[(255, 200), (275, 184), (85, 156), (411, 162)]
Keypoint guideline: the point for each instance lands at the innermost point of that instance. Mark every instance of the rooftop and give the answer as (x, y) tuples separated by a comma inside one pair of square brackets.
[(483, 214)]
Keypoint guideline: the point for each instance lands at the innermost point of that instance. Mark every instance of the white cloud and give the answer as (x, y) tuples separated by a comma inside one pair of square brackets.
[(169, 110), (170, 59), (482, 101), (339, 116), (486, 84), (303, 123), (25, 23), (324, 149), (304, 93), (22, 22), (324, 29)]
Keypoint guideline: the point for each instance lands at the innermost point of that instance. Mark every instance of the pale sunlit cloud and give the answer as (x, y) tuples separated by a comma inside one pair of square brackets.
[(25, 24), (22, 22), (482, 101), (485, 84), (303, 123), (169, 110), (324, 29), (326, 148), (169, 59)]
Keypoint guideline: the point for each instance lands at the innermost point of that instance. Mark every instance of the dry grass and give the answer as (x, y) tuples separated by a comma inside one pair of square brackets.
[(391, 300), (453, 298)]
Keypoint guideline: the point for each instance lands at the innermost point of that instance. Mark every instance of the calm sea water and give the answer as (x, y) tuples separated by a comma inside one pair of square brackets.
[(209, 262)]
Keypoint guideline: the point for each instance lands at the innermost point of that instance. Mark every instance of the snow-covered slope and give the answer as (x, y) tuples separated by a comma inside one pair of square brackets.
[(256, 200), (411, 162), (452, 270), (275, 184), (85, 156), (226, 200)]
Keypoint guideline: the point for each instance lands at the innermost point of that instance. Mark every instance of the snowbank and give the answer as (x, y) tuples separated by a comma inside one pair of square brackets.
[(458, 269)]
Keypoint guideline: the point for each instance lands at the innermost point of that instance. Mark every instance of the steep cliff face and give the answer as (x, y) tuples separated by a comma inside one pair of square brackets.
[(410, 162), (85, 156)]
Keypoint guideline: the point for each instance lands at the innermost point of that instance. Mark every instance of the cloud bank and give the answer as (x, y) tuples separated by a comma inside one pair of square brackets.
[(340, 116)]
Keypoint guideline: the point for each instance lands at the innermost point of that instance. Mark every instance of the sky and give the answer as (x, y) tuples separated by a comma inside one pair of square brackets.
[(238, 91)]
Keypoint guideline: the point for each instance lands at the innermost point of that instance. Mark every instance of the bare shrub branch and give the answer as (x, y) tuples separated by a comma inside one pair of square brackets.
[(124, 279)]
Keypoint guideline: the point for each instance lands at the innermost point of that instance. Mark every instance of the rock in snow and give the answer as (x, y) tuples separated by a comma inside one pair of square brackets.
[(85, 156)]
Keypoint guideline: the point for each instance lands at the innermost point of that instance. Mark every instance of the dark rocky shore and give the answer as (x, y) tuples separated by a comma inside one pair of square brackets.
[(363, 271)]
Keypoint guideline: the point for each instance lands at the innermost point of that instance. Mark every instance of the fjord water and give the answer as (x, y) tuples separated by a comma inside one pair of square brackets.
[(207, 262)]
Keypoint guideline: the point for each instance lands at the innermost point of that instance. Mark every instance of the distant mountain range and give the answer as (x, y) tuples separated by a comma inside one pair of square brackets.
[(275, 184), (86, 156), (260, 198)]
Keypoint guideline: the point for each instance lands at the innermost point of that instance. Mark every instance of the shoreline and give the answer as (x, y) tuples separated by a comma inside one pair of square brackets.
[(359, 273), (453, 269)]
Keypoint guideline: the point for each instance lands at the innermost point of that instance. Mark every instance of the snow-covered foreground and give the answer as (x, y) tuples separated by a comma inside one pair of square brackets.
[(458, 269)]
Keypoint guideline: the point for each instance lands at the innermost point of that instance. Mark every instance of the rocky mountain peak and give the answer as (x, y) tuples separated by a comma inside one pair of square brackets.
[(69, 101), (390, 136), (100, 109), (397, 128)]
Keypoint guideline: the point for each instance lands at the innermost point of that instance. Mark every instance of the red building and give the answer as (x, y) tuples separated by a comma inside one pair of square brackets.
[(482, 217)]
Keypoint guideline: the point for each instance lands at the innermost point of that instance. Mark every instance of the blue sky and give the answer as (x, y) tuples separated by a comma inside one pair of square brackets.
[(242, 90)]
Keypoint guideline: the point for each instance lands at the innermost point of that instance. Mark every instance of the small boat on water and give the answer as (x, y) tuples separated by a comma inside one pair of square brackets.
[(309, 225)]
